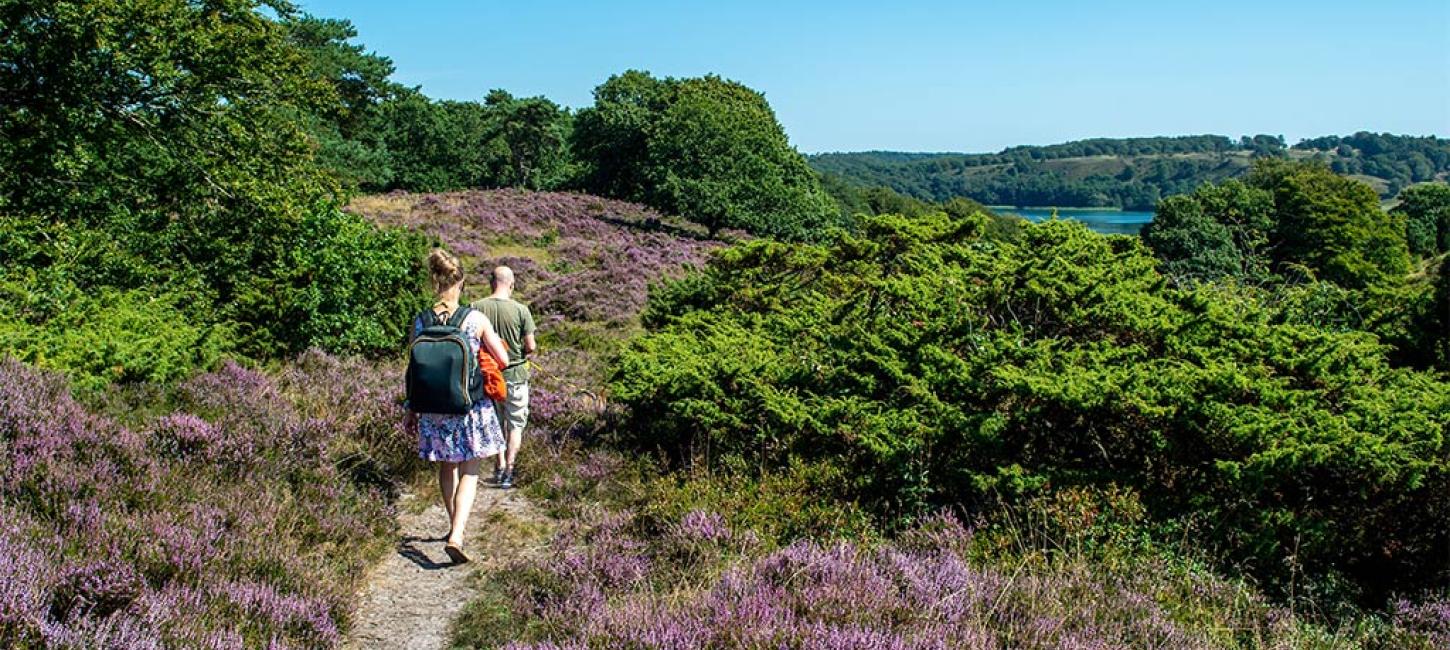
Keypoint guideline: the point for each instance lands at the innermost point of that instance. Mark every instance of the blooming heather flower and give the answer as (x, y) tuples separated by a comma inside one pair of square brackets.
[(25, 577), (171, 538), (603, 253), (840, 595), (1430, 619), (283, 610), (182, 435), (703, 526)]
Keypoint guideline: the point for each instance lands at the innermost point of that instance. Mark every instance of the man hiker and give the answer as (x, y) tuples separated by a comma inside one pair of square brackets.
[(515, 325)]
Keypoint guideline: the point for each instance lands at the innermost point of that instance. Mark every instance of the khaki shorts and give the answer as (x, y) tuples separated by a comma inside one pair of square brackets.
[(513, 411)]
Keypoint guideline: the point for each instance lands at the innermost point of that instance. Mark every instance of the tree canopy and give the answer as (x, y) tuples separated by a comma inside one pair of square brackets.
[(707, 148), (1286, 218), (1331, 224), (169, 147), (1426, 211)]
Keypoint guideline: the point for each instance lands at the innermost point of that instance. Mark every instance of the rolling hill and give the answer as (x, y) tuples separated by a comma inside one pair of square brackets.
[(1130, 173)]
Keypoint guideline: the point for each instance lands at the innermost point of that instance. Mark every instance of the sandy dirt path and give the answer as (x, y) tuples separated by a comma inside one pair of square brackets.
[(414, 593)]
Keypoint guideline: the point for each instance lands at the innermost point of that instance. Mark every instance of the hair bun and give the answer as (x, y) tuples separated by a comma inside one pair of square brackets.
[(440, 262), (444, 268)]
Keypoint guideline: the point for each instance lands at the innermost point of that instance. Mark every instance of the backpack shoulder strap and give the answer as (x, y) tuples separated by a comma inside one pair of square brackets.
[(428, 318), (460, 315)]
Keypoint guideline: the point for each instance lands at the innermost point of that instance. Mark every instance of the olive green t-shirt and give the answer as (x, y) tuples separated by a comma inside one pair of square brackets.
[(512, 320)]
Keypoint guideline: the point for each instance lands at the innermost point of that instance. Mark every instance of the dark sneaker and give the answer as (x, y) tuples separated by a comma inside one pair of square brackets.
[(497, 476), (506, 481)]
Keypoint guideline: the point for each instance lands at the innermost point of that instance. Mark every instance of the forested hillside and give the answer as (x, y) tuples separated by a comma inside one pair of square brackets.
[(1132, 173)]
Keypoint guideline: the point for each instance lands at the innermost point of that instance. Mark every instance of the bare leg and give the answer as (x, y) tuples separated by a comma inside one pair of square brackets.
[(447, 484), (467, 488), (515, 438)]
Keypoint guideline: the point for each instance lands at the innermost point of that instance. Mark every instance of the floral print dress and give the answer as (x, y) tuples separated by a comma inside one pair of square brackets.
[(449, 438)]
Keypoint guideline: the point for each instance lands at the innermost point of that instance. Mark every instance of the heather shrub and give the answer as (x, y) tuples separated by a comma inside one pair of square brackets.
[(360, 397), (776, 509), (617, 576), (964, 371), (236, 519), (578, 258), (1424, 624)]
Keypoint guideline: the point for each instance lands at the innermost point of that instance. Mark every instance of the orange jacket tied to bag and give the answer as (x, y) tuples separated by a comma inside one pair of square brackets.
[(493, 384)]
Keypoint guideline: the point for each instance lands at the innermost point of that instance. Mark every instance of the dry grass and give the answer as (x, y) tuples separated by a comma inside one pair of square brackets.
[(377, 203)]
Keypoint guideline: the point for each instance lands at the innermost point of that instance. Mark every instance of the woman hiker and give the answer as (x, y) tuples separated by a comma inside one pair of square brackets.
[(458, 442)]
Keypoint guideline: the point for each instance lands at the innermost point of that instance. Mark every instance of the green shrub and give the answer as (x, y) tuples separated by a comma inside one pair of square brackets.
[(1400, 314), (166, 221), (120, 336), (1439, 318), (935, 367), (341, 284)]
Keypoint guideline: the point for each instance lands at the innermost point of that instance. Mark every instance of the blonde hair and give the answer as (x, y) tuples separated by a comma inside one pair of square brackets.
[(444, 268)]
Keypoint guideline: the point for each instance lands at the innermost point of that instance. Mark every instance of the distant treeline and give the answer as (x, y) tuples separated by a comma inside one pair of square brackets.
[(712, 149), (1132, 173)]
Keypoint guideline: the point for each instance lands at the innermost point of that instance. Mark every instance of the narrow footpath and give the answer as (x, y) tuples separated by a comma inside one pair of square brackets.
[(413, 594)]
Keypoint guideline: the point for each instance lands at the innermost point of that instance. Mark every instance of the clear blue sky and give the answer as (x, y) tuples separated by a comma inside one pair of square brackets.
[(957, 76)]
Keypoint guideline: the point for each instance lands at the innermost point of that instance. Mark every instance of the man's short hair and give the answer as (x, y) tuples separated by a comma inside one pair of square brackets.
[(500, 273)]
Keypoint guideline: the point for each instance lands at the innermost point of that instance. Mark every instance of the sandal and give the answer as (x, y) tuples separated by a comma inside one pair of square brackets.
[(455, 553)]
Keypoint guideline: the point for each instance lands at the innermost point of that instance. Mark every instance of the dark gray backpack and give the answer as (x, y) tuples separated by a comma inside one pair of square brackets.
[(443, 374)]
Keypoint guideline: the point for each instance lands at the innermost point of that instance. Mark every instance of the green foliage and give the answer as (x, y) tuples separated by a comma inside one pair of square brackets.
[(1289, 218), (871, 201), (1398, 159), (342, 285), (162, 194), (528, 142), (611, 138), (378, 135), (172, 121), (433, 145), (447, 145), (706, 148), (348, 143), (849, 198), (1426, 211), (1399, 314), (1331, 225), (945, 368), (1217, 231), (118, 336), (1439, 318)]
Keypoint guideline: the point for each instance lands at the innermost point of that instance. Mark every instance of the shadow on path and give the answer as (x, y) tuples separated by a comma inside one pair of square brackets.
[(417, 556)]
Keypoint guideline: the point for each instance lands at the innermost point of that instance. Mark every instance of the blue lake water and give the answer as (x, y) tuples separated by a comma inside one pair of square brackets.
[(1108, 222)]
